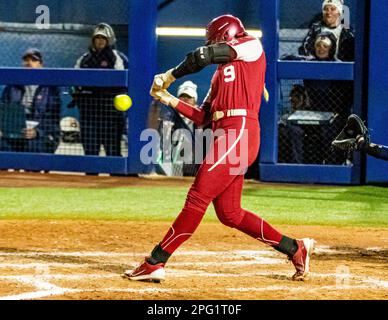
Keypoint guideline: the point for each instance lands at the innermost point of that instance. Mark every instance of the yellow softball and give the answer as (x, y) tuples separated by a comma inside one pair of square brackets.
[(122, 102)]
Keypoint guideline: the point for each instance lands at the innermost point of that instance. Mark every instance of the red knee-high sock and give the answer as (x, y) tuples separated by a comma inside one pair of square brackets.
[(259, 229)]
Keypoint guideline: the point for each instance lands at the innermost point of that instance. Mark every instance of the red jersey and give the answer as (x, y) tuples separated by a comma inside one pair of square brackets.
[(240, 83)]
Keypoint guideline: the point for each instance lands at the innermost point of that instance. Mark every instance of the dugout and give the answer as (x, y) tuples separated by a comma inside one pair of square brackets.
[(282, 22)]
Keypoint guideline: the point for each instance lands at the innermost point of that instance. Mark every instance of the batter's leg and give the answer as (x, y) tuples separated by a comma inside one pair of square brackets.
[(230, 213), (211, 181)]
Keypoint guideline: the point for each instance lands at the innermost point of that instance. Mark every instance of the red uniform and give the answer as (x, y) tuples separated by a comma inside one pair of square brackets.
[(240, 84), (233, 105), (236, 85)]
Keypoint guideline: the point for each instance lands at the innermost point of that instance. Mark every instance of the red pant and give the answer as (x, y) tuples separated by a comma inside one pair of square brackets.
[(220, 180)]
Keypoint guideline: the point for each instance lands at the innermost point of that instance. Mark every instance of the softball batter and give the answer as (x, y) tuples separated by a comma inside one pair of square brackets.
[(233, 106)]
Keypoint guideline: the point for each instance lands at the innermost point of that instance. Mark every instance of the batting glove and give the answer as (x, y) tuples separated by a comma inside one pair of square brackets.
[(166, 98), (163, 81)]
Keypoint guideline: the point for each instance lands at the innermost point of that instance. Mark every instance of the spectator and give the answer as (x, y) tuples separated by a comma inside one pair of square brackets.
[(326, 95), (101, 123), (34, 110), (170, 121), (298, 98), (70, 142), (291, 137), (334, 96), (187, 92), (331, 22), (329, 95)]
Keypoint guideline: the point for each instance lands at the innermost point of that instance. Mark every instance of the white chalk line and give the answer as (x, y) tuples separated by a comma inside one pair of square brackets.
[(98, 254), (46, 289), (60, 291), (299, 289), (47, 277), (177, 273), (36, 295)]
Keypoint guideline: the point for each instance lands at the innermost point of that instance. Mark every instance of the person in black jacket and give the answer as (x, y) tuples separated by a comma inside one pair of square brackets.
[(331, 22), (36, 109), (101, 123), (291, 137)]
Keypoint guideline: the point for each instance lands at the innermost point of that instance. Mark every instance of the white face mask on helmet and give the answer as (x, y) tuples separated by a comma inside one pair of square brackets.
[(106, 31)]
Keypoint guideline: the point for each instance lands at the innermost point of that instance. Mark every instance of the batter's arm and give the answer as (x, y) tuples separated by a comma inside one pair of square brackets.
[(203, 56), (200, 116), (194, 62)]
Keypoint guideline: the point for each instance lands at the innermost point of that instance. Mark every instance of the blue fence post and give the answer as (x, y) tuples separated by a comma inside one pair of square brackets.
[(270, 169), (268, 117), (360, 79), (377, 170), (142, 68)]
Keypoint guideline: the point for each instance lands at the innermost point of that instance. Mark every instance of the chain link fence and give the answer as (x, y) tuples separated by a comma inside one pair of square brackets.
[(63, 121), (312, 112), (95, 129), (61, 45)]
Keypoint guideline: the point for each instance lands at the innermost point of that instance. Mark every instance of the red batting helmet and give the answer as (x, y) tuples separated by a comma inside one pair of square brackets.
[(224, 28)]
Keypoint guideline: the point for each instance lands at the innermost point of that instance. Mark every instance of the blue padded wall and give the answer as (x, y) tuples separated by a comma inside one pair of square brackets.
[(377, 170)]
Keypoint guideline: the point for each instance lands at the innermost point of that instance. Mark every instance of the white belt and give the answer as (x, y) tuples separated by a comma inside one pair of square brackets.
[(218, 115)]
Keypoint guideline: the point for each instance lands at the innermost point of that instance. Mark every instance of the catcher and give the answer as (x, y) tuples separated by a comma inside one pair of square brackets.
[(355, 137)]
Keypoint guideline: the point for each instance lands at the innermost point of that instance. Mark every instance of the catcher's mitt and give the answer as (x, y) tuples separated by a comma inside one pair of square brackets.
[(347, 139)]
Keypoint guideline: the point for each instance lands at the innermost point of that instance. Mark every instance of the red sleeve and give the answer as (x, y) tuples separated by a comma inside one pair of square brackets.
[(200, 116)]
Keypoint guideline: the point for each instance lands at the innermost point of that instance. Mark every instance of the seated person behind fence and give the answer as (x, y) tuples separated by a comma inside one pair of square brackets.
[(101, 123), (291, 136), (70, 142), (331, 22), (37, 109)]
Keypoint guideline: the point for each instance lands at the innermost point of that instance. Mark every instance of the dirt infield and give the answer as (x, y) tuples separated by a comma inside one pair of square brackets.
[(85, 260), (37, 180)]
